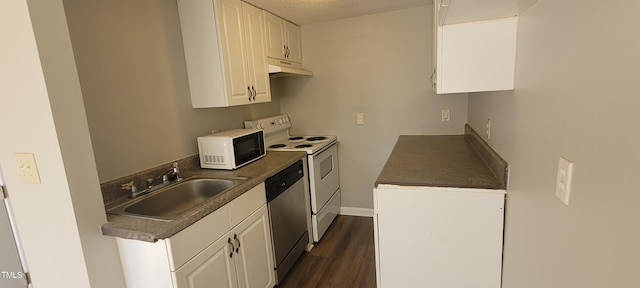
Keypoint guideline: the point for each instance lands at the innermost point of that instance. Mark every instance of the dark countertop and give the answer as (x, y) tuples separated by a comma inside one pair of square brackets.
[(152, 230), (444, 161)]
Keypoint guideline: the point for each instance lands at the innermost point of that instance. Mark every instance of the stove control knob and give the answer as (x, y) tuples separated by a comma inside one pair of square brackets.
[(261, 125), (286, 119), (280, 121)]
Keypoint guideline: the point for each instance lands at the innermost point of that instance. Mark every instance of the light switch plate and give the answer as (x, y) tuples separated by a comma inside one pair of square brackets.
[(563, 181), (27, 169)]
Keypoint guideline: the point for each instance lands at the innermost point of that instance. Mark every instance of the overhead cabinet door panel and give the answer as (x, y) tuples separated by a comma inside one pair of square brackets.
[(257, 58), (233, 50), (275, 33)]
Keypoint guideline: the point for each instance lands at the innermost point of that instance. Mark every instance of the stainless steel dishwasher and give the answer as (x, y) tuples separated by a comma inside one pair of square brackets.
[(286, 202)]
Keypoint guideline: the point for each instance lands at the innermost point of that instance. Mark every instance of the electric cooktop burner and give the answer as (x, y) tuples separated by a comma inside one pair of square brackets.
[(317, 138), (294, 138), (303, 146), (277, 146)]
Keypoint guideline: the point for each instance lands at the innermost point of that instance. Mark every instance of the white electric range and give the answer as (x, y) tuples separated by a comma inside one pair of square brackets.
[(322, 161)]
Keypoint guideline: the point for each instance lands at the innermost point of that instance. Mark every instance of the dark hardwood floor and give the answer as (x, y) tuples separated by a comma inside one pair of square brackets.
[(343, 258)]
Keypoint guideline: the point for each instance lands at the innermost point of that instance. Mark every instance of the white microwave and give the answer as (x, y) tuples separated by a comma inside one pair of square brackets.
[(231, 149)]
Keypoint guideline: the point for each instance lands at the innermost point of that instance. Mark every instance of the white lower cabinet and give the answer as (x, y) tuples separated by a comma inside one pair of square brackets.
[(239, 259), (230, 247), (438, 237)]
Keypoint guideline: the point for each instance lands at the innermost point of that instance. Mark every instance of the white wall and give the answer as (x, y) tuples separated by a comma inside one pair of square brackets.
[(134, 82), (42, 112), (577, 83), (377, 64)]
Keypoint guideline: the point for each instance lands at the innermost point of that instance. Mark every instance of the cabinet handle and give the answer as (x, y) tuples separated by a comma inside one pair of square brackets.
[(233, 248), (250, 93), (285, 51), (254, 93), (235, 237), (433, 78), (288, 52)]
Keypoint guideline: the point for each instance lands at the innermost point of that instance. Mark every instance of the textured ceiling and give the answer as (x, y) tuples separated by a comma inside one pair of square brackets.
[(304, 12)]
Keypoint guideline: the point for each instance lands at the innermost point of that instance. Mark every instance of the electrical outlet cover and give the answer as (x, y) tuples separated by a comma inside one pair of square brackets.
[(563, 180), (446, 115), (488, 131), (359, 118)]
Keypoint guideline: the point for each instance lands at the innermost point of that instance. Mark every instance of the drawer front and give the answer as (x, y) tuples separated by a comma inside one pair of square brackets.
[(247, 203), (195, 238)]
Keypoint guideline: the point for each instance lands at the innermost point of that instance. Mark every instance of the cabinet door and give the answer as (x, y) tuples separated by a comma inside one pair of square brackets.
[(213, 265), (234, 54), (256, 56), (254, 260), (274, 26), (489, 66), (293, 42), (202, 50), (429, 237)]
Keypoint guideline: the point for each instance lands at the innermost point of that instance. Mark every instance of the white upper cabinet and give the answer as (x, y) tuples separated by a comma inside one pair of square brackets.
[(283, 39), (224, 45), (294, 46), (462, 11), (474, 45)]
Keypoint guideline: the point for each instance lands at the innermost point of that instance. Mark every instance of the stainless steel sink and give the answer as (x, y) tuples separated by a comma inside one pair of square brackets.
[(172, 201)]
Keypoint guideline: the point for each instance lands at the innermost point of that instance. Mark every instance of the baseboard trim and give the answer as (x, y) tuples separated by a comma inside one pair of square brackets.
[(356, 211)]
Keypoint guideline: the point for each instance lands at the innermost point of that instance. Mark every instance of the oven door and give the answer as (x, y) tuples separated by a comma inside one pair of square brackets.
[(323, 177)]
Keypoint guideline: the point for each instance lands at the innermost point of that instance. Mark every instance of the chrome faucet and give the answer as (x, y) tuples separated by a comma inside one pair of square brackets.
[(167, 177), (172, 174)]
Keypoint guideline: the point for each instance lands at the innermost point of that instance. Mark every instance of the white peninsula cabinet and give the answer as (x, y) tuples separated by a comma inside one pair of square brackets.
[(224, 47), (438, 237), (439, 213), (230, 247)]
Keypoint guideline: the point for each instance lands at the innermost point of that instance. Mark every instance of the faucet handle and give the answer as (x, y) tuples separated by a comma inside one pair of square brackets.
[(149, 182), (176, 171), (129, 186)]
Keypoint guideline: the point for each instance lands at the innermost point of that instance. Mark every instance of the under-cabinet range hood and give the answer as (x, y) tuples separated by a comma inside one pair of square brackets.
[(280, 68)]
